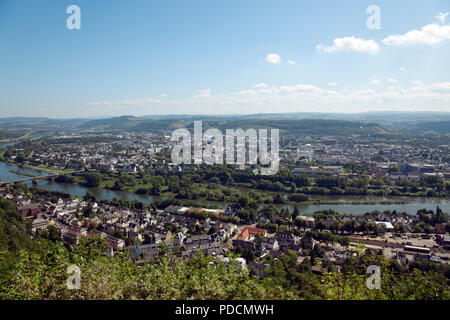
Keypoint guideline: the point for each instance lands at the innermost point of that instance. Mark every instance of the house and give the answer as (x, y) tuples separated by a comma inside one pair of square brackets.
[(98, 233), (71, 237), (300, 171), (333, 169), (207, 223), (133, 235), (130, 168), (74, 234), (172, 209), (263, 219), (198, 240), (307, 243), (250, 231), (229, 228), (209, 249), (179, 238), (440, 228), (309, 221), (250, 245), (446, 242), (239, 262), (147, 247), (409, 227), (231, 209), (389, 227), (163, 233), (115, 243), (106, 167), (270, 243), (292, 247), (110, 218), (223, 234), (29, 210), (39, 224), (383, 217), (285, 237)]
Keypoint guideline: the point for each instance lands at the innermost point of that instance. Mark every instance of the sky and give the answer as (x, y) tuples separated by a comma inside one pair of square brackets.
[(149, 57)]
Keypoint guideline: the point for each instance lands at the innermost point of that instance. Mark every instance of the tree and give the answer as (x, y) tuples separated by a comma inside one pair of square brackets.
[(243, 202), (20, 157), (53, 234), (90, 197), (345, 242), (212, 230), (292, 187), (295, 213), (88, 211), (93, 226), (93, 180)]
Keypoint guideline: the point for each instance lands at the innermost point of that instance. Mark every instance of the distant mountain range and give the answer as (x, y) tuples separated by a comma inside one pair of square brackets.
[(372, 122)]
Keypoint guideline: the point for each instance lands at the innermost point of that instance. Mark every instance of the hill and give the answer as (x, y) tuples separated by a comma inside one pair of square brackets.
[(307, 123), (305, 126), (439, 127)]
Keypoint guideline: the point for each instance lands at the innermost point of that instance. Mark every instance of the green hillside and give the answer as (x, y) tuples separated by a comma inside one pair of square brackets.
[(37, 269)]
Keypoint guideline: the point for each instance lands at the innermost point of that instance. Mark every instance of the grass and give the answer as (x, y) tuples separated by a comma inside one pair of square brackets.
[(42, 168), (23, 173)]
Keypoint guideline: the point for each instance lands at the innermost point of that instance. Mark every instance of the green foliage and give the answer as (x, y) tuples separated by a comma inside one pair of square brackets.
[(93, 180), (37, 269), (43, 276), (395, 283)]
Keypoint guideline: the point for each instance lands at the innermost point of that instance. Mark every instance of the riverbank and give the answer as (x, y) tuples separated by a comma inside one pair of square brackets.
[(13, 140), (345, 204), (23, 173)]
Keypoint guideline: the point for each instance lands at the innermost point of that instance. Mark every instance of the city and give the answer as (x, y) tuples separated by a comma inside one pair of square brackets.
[(213, 158), (232, 211)]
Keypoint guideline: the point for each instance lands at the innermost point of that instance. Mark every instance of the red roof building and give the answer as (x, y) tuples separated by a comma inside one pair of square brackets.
[(249, 231)]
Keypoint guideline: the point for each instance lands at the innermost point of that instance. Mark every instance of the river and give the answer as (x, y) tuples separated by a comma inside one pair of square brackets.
[(8, 144), (411, 205)]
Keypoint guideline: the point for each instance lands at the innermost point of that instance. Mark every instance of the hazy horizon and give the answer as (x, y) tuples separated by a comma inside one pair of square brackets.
[(236, 114)]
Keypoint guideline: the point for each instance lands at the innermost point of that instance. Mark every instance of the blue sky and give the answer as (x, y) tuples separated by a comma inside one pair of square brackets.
[(145, 57)]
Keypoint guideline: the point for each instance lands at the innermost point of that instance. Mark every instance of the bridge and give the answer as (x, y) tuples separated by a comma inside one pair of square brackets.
[(36, 179)]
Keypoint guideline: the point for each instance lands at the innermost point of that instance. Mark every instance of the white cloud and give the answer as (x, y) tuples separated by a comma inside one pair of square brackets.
[(292, 62), (332, 84), (441, 17), (261, 85), (437, 86), (392, 80), (403, 69), (350, 44), (203, 93), (430, 34), (273, 58), (287, 98), (374, 82)]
